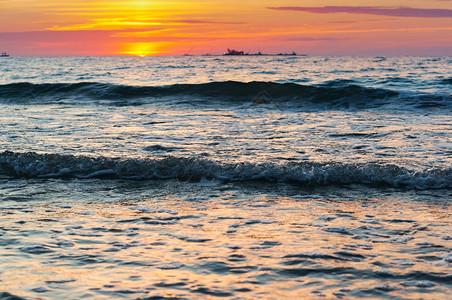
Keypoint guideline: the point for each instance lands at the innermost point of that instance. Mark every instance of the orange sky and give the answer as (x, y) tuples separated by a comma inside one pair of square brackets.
[(330, 27)]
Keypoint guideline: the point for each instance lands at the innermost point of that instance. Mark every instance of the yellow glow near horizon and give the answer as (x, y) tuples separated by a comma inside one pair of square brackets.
[(171, 27), (143, 49)]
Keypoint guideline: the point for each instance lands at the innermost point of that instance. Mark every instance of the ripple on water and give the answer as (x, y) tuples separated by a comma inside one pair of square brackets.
[(9, 296), (181, 249), (35, 248)]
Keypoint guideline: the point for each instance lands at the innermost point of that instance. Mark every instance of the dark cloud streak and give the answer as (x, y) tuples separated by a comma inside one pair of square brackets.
[(374, 10)]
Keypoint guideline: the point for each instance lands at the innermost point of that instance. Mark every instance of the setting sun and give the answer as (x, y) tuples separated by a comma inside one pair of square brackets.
[(102, 27), (143, 49)]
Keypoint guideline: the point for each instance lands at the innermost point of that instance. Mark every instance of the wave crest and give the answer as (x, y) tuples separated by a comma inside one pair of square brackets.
[(337, 94), (34, 165), (53, 93)]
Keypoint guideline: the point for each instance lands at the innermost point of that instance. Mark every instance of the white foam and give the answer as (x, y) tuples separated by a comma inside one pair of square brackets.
[(304, 173), (418, 283)]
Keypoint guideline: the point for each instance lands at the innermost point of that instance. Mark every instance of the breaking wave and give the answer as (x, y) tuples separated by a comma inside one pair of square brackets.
[(339, 94), (34, 165)]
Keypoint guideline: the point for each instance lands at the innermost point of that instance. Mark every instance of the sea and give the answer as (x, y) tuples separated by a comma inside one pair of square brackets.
[(226, 177)]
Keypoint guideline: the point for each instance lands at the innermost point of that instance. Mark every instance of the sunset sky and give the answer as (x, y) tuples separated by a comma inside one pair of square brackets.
[(142, 28)]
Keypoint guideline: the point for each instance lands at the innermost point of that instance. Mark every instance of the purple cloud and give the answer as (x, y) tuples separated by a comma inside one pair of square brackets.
[(374, 10)]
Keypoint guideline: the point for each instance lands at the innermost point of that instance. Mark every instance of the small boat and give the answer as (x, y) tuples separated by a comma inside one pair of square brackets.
[(288, 54), (4, 54), (188, 52), (234, 52)]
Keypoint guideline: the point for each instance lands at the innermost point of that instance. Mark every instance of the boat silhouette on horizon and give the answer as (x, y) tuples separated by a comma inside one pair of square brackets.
[(4, 54), (234, 52), (288, 54)]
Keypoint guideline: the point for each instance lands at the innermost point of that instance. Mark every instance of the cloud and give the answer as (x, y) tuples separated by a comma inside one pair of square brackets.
[(374, 10), (85, 42), (207, 22), (310, 39), (361, 21)]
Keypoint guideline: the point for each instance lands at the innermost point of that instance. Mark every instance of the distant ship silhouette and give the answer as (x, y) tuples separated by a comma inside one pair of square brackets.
[(234, 52), (4, 54), (286, 54)]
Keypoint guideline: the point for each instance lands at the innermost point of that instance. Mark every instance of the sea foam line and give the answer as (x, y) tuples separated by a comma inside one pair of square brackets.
[(34, 165)]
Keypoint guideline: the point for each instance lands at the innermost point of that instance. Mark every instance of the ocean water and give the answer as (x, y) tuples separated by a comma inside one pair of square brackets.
[(203, 177)]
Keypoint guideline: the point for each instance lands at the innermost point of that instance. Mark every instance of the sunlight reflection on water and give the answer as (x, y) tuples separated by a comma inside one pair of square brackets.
[(197, 241)]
